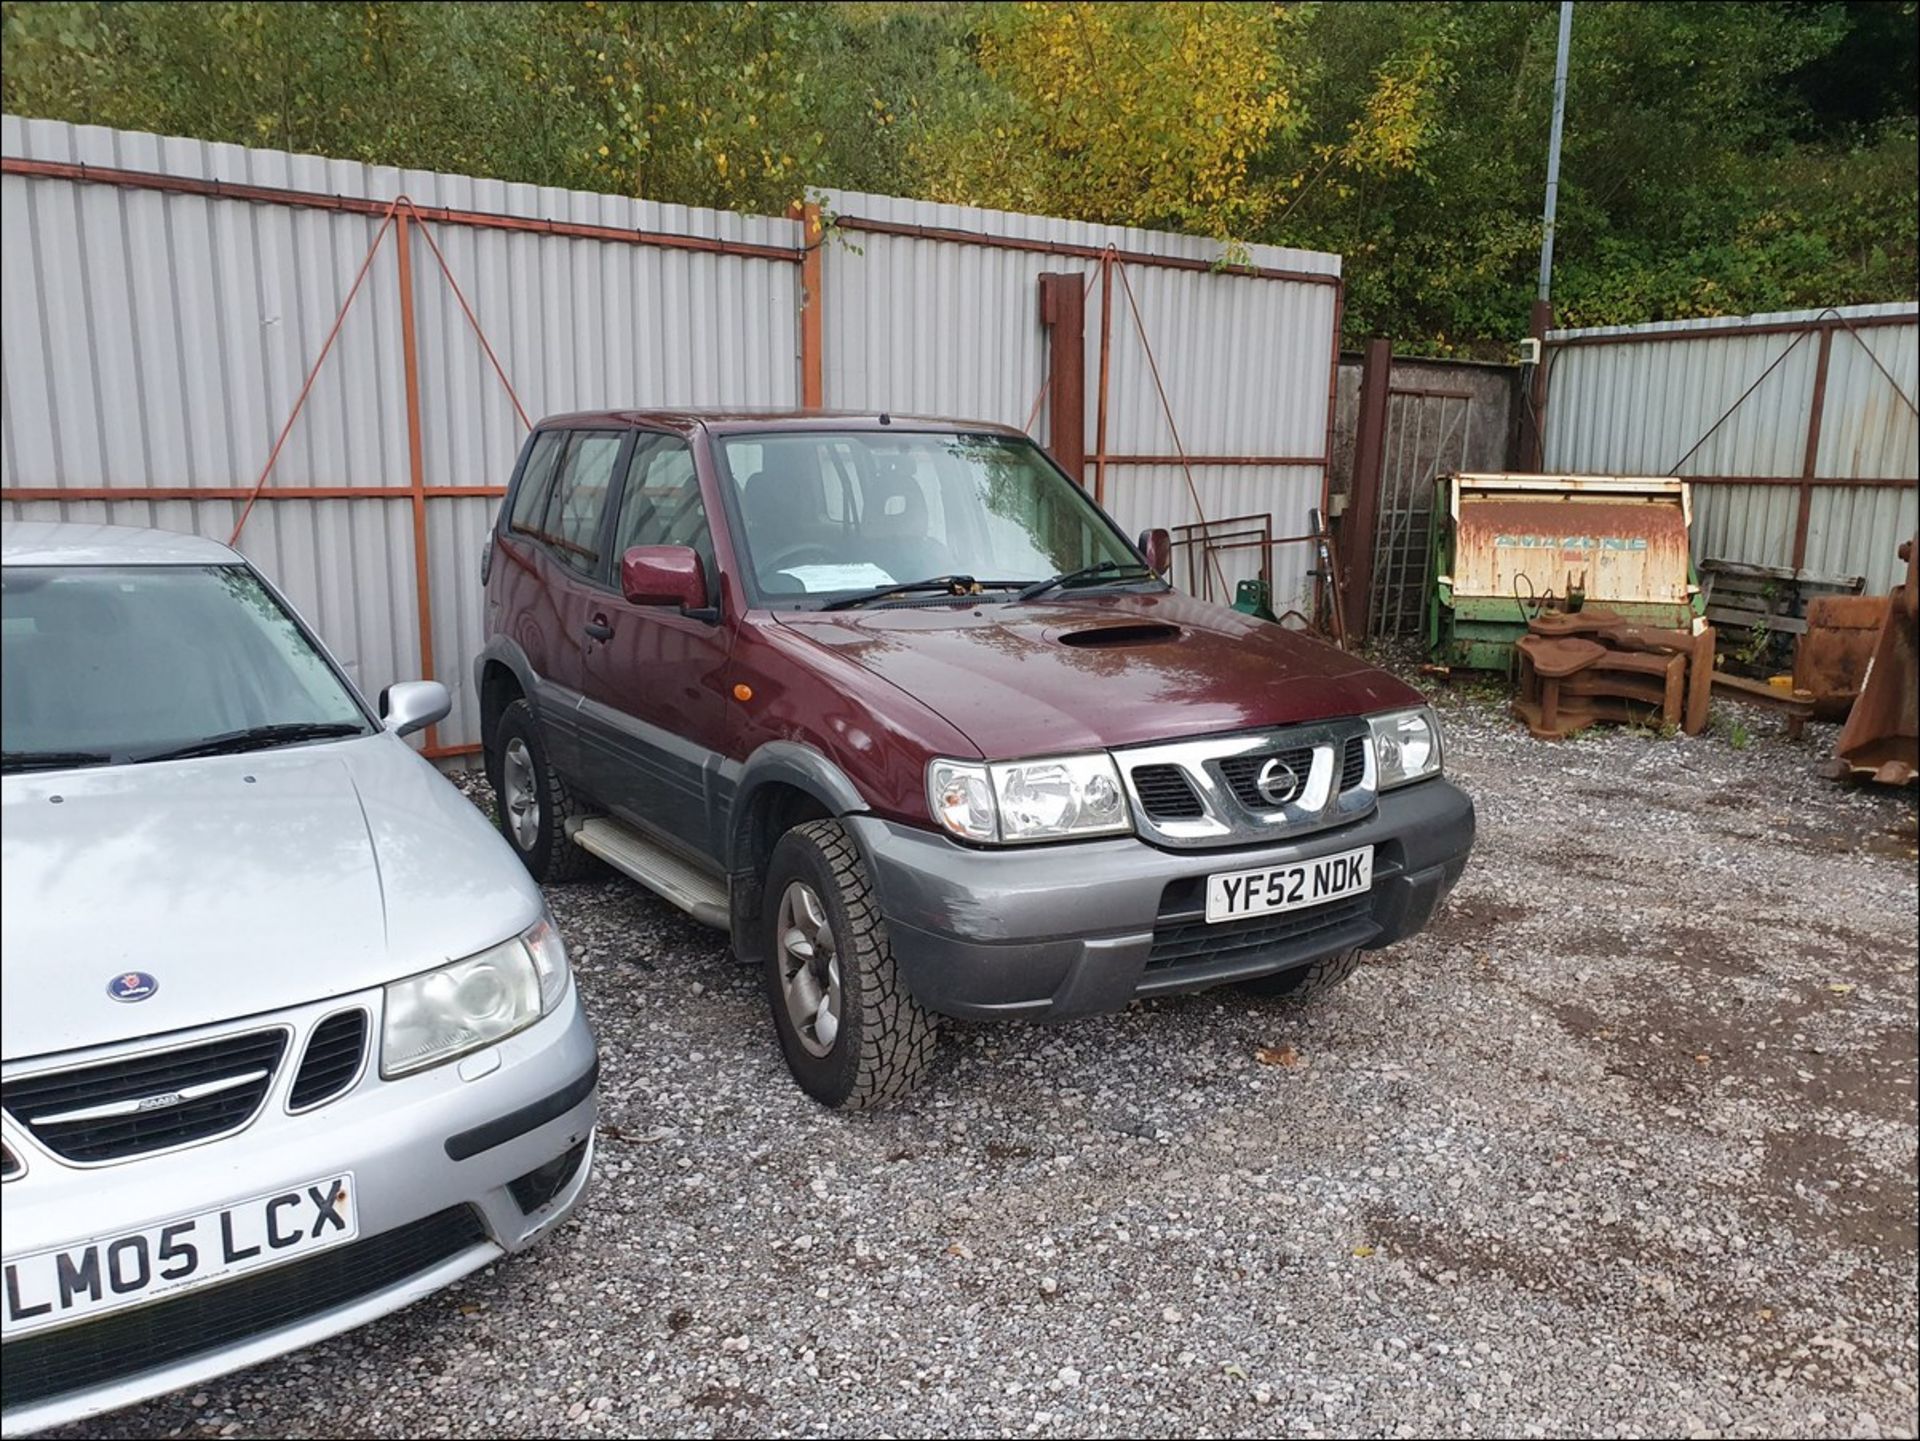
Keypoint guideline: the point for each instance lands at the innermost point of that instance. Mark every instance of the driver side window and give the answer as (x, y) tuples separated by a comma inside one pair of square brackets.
[(660, 503)]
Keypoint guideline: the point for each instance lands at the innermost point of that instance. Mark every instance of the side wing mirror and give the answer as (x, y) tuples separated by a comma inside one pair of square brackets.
[(663, 575), (410, 705), (1157, 546)]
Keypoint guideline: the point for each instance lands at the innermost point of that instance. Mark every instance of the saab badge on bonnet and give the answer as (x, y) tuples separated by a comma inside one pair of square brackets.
[(132, 986)]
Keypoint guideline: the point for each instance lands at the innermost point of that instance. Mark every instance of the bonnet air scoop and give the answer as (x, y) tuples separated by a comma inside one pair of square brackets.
[(1113, 636)]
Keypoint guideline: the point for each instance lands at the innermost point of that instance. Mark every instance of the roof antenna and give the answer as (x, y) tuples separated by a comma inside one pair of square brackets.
[(885, 419)]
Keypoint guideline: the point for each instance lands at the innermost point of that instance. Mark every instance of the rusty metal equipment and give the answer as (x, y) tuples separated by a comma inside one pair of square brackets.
[(1506, 545), (1198, 546), (1581, 667), (1328, 575), (1881, 739), (1568, 683), (1830, 658), (1795, 705)]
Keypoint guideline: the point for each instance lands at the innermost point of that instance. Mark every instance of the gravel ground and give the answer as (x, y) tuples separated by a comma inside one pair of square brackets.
[(1624, 1145)]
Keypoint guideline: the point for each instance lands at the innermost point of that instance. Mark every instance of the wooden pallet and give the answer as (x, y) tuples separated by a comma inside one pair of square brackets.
[(1756, 607)]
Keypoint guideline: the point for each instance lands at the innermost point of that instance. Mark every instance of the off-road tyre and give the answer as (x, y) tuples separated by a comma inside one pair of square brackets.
[(548, 853), (885, 1041), (1306, 983)]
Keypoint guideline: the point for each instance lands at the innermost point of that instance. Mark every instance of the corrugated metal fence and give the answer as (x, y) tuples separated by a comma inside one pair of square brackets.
[(1798, 429), (165, 299), (932, 308)]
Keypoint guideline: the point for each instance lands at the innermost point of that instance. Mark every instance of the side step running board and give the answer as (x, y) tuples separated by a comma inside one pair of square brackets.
[(700, 895)]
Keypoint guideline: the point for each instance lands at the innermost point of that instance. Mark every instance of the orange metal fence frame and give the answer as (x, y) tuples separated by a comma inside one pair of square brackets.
[(1067, 249), (1824, 325), (416, 461), (813, 275), (404, 217), (356, 205), (401, 216)]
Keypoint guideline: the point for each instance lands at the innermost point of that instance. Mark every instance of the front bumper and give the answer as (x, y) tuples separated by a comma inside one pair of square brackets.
[(1058, 932), (399, 1139)]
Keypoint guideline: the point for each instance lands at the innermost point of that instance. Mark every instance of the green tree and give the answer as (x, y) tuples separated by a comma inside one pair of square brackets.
[(1720, 157), (1684, 190), (477, 89), (698, 103)]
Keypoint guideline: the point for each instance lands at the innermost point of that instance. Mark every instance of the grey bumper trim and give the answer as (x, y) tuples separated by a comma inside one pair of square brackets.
[(502, 1129), (1063, 931)]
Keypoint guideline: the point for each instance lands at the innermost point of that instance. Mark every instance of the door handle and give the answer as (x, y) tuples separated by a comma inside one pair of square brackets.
[(598, 629)]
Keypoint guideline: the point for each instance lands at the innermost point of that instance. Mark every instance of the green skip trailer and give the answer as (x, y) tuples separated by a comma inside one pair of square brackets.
[(1504, 545)]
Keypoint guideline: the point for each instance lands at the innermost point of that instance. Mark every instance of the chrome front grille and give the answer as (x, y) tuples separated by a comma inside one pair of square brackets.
[(1242, 773), (1252, 787), (1165, 794), (1353, 768), (149, 1101)]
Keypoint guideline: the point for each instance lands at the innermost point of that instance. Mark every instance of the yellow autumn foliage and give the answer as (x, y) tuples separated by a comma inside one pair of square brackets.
[(1148, 114)]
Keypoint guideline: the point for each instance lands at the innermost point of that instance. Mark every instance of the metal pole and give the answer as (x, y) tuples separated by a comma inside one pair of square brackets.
[(1359, 526), (1063, 312), (1533, 439), (1553, 147), (813, 296), (1106, 348), (416, 464), (1815, 416)]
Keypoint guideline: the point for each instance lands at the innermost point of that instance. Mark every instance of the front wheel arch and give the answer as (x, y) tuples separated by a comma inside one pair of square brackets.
[(499, 688), (784, 784)]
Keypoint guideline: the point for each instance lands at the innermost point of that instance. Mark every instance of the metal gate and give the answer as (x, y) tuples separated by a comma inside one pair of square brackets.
[(1426, 433)]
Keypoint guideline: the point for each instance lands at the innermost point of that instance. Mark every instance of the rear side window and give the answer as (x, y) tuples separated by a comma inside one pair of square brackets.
[(580, 499), (536, 483), (563, 494), (661, 504)]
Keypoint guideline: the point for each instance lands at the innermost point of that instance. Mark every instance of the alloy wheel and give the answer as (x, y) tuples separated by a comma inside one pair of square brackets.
[(809, 960), (520, 794)]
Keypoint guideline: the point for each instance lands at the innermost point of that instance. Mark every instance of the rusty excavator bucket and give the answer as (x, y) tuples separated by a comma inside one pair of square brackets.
[(1881, 739)]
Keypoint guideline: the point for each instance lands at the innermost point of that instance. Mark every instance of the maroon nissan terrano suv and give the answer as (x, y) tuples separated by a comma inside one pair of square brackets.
[(896, 705)]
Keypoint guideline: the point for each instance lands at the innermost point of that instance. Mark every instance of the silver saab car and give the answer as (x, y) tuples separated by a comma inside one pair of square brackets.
[(289, 1038)]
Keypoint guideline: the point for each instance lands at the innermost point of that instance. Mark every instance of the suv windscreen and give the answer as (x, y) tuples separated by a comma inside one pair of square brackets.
[(103, 664), (827, 514)]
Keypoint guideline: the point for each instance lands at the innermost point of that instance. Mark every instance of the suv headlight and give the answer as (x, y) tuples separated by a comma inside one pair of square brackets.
[(1038, 800), (466, 1004), (1406, 744)]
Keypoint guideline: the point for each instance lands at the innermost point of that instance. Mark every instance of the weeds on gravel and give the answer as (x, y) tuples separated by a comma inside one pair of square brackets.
[(1484, 686), (1735, 731), (1666, 730)]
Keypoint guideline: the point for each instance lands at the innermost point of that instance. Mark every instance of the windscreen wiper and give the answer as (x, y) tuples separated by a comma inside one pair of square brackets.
[(50, 760), (956, 585), (255, 738), (1103, 569)]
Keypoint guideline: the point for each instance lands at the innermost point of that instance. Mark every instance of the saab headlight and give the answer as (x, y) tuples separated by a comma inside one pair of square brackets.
[(474, 1002)]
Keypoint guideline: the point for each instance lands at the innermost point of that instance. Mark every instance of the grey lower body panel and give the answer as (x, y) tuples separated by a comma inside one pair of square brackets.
[(1058, 932)]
